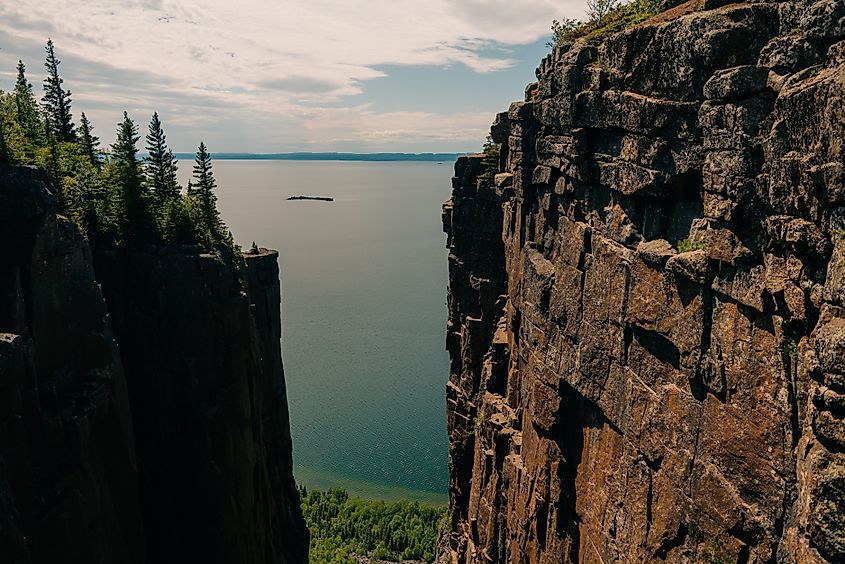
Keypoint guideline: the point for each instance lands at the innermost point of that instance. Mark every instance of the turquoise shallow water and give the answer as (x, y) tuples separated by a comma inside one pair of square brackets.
[(363, 308)]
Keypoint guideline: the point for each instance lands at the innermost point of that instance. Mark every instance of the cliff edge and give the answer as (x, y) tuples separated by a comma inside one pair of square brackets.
[(647, 302), (143, 413)]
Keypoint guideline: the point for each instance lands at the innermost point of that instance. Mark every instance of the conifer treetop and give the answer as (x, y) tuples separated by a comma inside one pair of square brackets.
[(56, 99)]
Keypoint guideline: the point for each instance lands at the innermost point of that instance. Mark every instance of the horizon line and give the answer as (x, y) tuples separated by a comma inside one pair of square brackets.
[(329, 155)]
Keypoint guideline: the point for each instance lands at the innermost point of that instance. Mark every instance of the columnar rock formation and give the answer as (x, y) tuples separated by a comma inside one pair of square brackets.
[(68, 469), (173, 446), (647, 305)]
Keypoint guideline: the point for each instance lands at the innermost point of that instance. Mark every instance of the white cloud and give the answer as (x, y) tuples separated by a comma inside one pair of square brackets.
[(251, 64)]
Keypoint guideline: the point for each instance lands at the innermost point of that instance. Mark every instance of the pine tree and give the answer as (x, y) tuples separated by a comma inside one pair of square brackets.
[(88, 142), (56, 99), (26, 108), (203, 188), (161, 164)]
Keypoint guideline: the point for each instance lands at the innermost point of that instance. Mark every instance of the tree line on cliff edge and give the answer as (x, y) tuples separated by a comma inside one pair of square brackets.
[(114, 196)]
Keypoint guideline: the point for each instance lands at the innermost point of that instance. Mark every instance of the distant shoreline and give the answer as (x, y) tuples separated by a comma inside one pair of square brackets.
[(374, 157)]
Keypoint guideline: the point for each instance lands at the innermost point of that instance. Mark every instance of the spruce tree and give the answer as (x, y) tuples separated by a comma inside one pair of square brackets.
[(57, 99), (26, 108), (161, 164), (88, 142), (136, 220), (203, 188), (125, 148)]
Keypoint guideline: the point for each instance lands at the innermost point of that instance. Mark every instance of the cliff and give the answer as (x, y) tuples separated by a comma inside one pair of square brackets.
[(647, 304), (68, 470), (173, 446)]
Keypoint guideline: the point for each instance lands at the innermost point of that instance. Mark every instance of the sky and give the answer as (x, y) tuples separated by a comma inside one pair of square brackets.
[(289, 75)]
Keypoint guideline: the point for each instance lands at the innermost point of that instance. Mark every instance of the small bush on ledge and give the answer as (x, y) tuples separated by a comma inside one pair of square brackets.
[(687, 246)]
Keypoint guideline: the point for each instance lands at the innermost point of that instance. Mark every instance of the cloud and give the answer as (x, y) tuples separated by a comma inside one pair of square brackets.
[(299, 84), (264, 66)]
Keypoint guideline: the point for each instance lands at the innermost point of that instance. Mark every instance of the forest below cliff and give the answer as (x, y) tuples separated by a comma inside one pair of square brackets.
[(343, 527)]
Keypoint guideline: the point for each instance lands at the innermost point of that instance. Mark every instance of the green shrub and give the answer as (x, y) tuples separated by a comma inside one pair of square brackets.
[(687, 245), (602, 23), (564, 30), (715, 553), (792, 349)]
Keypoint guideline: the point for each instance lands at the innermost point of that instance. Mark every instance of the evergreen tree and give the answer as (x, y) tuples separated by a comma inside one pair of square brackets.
[(161, 164), (489, 162), (203, 188), (57, 99), (136, 221), (107, 193), (88, 142), (25, 105), (125, 148), (52, 164)]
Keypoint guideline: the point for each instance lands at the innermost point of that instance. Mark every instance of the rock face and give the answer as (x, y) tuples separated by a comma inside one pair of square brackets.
[(68, 478), (647, 305), (174, 448)]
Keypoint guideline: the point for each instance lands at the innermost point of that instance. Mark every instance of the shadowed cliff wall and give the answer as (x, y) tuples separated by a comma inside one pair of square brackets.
[(612, 399), (203, 367), (174, 448), (68, 479)]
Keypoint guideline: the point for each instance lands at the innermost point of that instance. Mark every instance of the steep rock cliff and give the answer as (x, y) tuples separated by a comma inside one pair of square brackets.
[(202, 356), (68, 479), (174, 446), (647, 305)]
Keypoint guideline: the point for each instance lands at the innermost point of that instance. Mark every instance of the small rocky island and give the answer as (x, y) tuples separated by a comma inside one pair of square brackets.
[(318, 198)]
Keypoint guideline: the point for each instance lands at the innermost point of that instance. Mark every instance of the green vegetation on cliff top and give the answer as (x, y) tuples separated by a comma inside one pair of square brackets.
[(489, 162), (604, 17), (115, 197), (342, 527)]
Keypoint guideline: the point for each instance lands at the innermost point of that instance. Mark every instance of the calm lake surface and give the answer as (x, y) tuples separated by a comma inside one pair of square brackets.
[(363, 313)]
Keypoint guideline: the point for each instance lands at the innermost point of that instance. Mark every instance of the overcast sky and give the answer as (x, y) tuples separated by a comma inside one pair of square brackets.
[(289, 75)]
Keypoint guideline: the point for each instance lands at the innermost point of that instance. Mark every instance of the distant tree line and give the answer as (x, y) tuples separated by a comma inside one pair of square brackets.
[(114, 196), (343, 527)]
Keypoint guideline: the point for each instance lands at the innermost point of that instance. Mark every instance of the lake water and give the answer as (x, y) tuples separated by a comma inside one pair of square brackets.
[(363, 313)]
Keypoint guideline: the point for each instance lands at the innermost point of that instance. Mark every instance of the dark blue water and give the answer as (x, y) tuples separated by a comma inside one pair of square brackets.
[(363, 307)]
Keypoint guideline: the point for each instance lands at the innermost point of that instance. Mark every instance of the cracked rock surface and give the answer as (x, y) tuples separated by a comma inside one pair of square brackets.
[(647, 306)]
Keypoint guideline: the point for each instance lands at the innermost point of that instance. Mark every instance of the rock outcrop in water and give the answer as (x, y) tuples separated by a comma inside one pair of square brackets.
[(647, 306), (173, 446)]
